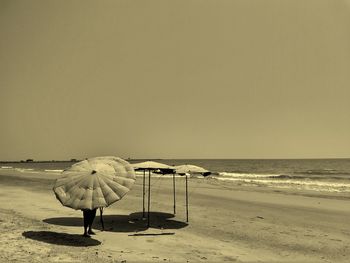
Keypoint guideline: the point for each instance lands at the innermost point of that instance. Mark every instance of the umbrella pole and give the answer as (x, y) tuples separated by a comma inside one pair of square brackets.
[(174, 193), (186, 199), (101, 219), (143, 194), (149, 196)]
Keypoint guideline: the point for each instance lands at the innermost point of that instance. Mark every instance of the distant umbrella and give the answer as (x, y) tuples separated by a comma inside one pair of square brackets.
[(188, 169), (152, 166), (191, 169)]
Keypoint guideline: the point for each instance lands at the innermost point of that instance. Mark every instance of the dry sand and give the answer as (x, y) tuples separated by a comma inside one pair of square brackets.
[(228, 223)]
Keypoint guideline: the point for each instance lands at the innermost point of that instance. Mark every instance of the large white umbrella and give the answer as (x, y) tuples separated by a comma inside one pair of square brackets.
[(94, 183), (151, 166)]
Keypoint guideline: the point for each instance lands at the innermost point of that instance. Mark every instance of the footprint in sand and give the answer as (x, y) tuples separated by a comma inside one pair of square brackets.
[(339, 240)]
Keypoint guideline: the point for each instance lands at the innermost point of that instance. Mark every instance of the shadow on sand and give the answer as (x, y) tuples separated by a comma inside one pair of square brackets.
[(123, 223), (61, 238)]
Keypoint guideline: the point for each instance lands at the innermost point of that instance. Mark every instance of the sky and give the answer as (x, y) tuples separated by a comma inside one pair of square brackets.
[(174, 79)]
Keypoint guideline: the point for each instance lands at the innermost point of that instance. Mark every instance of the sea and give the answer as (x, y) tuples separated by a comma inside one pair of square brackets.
[(327, 175)]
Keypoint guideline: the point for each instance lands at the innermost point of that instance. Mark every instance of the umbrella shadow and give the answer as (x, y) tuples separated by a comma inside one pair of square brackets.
[(63, 239), (123, 223), (160, 220)]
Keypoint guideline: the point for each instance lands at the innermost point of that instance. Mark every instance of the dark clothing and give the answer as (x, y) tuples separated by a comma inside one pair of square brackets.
[(89, 216)]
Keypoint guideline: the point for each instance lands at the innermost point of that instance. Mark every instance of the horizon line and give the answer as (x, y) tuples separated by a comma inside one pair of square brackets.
[(30, 160)]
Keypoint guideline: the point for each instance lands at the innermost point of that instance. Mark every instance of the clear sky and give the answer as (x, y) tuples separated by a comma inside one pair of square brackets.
[(174, 79)]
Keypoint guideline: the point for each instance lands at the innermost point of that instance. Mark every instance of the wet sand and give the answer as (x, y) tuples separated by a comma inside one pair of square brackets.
[(228, 223)]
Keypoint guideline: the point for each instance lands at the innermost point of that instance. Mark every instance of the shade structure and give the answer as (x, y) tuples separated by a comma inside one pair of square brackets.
[(151, 166), (186, 170), (190, 169), (94, 183)]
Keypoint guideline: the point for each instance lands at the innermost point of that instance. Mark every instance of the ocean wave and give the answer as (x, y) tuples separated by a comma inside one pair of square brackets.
[(321, 172), (6, 167), (294, 184), (26, 170), (284, 176), (246, 175), (54, 170)]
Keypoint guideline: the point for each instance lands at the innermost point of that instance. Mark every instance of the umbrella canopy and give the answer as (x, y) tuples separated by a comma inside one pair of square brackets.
[(150, 165), (94, 183), (191, 169)]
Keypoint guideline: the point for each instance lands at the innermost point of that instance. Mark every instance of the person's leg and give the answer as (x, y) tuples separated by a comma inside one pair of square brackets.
[(86, 222), (92, 217)]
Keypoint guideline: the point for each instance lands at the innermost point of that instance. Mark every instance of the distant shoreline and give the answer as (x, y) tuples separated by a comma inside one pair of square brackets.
[(52, 161), (75, 160), (159, 159)]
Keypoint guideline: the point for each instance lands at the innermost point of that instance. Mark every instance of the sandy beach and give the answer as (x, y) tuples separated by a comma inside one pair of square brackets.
[(254, 93), (228, 223)]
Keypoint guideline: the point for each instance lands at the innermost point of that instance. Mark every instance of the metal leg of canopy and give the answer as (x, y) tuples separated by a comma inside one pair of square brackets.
[(101, 219), (149, 197), (186, 199), (143, 194), (174, 193)]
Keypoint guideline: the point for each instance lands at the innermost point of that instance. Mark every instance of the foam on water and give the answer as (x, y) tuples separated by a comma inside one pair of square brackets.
[(24, 170), (54, 170), (325, 185), (246, 175)]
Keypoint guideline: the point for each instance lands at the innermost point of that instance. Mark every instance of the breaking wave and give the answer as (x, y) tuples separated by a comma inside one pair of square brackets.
[(336, 183), (314, 176)]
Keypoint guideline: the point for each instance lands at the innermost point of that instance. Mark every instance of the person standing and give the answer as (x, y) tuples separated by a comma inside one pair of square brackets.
[(89, 216)]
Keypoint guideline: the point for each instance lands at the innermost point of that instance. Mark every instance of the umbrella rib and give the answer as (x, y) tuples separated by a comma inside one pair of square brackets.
[(107, 186), (101, 183), (71, 191), (67, 179), (75, 182), (94, 179), (86, 190), (112, 181)]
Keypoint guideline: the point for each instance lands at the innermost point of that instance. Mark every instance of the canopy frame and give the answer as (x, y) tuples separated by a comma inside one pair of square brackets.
[(150, 169)]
